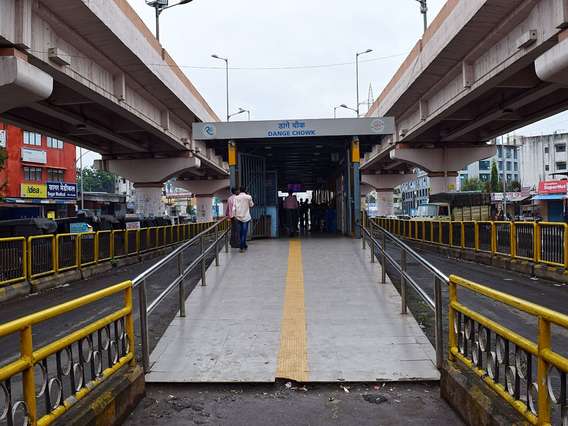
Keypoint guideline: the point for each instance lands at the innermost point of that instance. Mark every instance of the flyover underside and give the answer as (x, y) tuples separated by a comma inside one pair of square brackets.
[(308, 310)]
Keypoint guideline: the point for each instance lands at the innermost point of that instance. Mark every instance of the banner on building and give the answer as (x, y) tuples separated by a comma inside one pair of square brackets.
[(3, 138), (67, 191), (34, 156), (33, 190), (552, 187)]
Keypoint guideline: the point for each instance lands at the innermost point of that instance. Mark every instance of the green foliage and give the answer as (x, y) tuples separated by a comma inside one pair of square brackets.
[(473, 184), (495, 178), (514, 186), (3, 158), (96, 180)]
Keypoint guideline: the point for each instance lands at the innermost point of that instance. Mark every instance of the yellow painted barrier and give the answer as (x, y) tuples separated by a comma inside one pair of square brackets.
[(13, 260), (543, 242), (67, 249), (101, 349), (41, 252), (504, 359)]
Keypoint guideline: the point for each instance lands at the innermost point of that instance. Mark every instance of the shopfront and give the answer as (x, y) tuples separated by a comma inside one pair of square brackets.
[(551, 200)]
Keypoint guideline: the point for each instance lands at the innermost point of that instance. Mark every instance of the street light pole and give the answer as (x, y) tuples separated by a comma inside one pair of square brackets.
[(357, 74), (349, 108), (227, 80), (160, 6), (424, 11), (240, 111)]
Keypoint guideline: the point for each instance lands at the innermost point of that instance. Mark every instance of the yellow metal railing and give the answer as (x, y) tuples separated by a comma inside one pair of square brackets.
[(41, 255), (528, 374), (13, 255), (83, 358), (543, 242)]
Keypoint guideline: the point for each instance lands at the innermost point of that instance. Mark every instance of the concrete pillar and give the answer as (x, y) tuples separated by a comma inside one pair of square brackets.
[(385, 203), (148, 199), (148, 176), (21, 83), (442, 164), (204, 205), (232, 165), (355, 161)]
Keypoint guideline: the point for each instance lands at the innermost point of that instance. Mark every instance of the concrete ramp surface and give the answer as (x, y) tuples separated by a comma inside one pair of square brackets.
[(310, 310)]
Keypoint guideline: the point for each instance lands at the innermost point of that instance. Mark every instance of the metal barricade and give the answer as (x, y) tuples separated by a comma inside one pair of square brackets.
[(525, 240), (41, 252), (118, 237), (529, 373), (445, 233), (55, 374), (13, 260), (144, 244), (456, 234), (485, 235), (428, 231), (104, 246), (436, 232), (469, 234), (134, 241), (67, 252), (420, 230), (502, 235), (87, 249), (552, 239)]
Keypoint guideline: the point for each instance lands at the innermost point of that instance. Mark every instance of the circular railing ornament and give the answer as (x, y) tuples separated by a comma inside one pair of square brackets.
[(20, 409), (533, 398), (510, 375), (521, 363), (492, 365), (55, 388), (6, 403)]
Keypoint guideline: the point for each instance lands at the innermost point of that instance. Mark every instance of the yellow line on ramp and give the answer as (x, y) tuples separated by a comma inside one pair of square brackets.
[(293, 354)]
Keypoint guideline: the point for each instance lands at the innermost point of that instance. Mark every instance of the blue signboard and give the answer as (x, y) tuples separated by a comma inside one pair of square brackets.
[(67, 191), (78, 228)]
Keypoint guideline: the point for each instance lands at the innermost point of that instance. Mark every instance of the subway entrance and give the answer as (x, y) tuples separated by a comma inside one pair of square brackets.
[(302, 174)]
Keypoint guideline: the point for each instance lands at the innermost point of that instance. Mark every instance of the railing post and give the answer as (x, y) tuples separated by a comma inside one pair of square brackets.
[(227, 237), (513, 240), (217, 244), (452, 338), (129, 323), (439, 323), (384, 260), (26, 350), (544, 343), (372, 244), (565, 244), (364, 226), (203, 266), (181, 288), (143, 306), (403, 280)]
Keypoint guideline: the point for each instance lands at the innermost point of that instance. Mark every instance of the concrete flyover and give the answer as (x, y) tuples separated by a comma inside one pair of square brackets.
[(93, 73), (483, 68)]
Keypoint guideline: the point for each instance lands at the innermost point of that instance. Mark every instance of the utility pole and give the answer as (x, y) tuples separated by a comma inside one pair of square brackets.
[(424, 12)]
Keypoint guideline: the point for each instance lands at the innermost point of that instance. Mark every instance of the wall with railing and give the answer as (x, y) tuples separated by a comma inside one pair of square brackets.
[(38, 256), (541, 243)]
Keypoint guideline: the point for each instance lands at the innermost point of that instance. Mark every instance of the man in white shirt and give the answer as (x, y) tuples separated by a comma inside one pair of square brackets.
[(241, 212)]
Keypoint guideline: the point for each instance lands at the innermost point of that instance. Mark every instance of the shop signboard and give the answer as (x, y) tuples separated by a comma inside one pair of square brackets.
[(132, 225), (3, 138), (553, 187), (34, 156), (62, 190), (78, 228), (33, 190)]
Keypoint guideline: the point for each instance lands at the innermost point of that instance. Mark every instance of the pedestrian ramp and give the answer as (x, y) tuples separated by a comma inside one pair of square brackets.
[(310, 310)]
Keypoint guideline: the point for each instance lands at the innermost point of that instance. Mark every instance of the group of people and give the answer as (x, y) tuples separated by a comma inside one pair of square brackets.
[(238, 210), (300, 216)]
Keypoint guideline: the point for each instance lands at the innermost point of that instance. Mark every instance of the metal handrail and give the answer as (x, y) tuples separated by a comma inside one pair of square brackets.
[(140, 281), (439, 278)]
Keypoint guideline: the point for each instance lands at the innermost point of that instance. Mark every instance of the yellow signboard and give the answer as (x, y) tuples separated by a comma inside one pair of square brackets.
[(34, 190)]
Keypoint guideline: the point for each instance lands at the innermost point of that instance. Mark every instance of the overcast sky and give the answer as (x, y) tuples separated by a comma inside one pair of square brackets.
[(294, 33)]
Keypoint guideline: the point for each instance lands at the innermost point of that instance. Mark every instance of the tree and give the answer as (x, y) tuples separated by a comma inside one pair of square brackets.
[(96, 180), (3, 158), (472, 184), (494, 178), (514, 186)]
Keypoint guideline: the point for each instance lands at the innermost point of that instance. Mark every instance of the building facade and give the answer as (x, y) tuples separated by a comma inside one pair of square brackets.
[(544, 158), (415, 193), (508, 160), (39, 177)]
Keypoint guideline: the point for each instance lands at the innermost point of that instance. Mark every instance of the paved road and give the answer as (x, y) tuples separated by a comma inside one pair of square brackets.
[(320, 405)]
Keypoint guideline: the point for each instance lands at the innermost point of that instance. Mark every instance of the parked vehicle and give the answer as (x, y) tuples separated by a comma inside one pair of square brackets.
[(458, 206)]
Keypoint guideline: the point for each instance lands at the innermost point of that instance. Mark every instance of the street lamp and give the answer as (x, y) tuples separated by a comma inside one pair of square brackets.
[(240, 111), (227, 78), (424, 12), (357, 74), (160, 6), (346, 107), (335, 111)]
